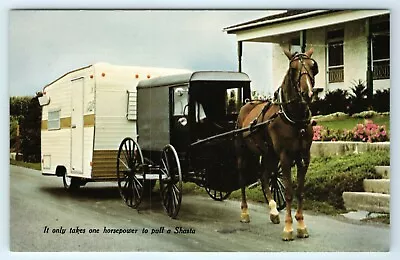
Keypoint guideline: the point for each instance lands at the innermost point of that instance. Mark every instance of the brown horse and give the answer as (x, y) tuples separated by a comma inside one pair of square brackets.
[(285, 138)]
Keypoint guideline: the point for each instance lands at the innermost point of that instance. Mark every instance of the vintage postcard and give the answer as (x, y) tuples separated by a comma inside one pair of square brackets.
[(199, 130)]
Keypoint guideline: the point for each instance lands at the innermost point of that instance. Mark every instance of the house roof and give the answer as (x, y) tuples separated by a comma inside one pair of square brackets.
[(289, 15)]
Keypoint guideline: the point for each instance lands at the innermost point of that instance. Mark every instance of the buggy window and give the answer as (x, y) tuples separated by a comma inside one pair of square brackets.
[(233, 100), (218, 102), (181, 101)]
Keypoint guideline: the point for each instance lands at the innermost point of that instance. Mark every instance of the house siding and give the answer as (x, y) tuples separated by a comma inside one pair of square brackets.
[(316, 39), (355, 53)]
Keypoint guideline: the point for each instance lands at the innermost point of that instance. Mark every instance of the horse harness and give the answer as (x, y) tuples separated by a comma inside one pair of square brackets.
[(302, 124)]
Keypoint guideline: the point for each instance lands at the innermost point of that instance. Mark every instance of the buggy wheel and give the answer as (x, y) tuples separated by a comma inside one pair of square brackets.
[(217, 195), (129, 161), (277, 188), (170, 181)]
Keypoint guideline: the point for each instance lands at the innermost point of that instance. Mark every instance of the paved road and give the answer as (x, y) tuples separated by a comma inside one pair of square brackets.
[(38, 202)]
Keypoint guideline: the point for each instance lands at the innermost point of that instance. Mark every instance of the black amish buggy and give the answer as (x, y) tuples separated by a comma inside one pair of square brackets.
[(186, 130)]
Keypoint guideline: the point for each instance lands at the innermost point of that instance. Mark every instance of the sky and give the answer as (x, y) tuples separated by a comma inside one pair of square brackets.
[(44, 45)]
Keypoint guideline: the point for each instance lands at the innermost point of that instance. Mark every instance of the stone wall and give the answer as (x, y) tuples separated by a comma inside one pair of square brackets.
[(340, 148)]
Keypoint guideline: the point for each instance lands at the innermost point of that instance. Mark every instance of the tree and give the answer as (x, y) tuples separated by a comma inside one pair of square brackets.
[(26, 112)]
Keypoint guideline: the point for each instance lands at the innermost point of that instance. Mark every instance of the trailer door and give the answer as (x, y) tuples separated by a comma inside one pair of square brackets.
[(77, 125)]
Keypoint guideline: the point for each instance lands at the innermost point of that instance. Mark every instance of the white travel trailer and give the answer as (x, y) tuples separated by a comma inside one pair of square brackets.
[(85, 115)]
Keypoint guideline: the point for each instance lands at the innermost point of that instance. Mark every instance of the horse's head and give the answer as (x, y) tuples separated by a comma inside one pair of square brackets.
[(302, 71)]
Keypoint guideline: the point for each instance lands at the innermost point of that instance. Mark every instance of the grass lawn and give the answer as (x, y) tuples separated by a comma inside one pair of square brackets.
[(350, 122), (35, 166)]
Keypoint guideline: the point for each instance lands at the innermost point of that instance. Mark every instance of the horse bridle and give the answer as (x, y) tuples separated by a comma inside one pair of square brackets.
[(299, 99), (301, 57)]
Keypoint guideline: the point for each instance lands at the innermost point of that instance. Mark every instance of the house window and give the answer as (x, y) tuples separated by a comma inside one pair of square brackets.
[(380, 50), (335, 56), (53, 121)]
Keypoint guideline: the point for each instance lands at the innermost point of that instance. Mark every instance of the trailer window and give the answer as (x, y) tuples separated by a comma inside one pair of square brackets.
[(53, 121), (131, 113)]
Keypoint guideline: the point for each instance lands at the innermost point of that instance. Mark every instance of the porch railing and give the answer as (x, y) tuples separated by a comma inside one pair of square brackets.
[(381, 69), (336, 74)]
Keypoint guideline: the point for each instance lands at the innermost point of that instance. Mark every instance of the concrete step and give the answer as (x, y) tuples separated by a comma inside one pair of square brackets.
[(377, 185), (384, 170), (368, 201)]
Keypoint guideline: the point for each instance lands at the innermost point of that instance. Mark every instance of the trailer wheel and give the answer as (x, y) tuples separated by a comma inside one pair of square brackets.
[(129, 161), (71, 183), (170, 181), (277, 188)]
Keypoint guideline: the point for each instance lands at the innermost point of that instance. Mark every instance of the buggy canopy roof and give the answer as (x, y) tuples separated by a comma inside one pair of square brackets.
[(193, 76)]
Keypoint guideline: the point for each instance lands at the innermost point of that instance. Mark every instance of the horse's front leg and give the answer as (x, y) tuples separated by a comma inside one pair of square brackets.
[(302, 166), (286, 164), (244, 216), (269, 167)]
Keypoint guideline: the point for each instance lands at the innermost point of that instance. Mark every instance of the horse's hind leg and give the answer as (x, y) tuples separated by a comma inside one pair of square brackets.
[(269, 166), (302, 166)]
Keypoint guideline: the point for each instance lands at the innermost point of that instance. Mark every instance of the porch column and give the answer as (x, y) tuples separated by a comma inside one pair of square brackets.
[(370, 82), (240, 52), (303, 41)]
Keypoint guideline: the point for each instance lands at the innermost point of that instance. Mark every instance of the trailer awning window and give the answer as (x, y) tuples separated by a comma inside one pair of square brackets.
[(131, 113)]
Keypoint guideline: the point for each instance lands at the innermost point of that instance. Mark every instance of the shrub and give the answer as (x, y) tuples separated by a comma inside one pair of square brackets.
[(328, 177), (381, 100), (354, 102), (330, 117), (336, 101), (365, 114), (358, 97)]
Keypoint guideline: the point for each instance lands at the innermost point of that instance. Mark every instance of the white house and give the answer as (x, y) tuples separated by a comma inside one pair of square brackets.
[(349, 45)]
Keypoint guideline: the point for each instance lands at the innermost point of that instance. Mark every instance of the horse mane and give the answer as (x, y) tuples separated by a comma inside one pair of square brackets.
[(287, 80)]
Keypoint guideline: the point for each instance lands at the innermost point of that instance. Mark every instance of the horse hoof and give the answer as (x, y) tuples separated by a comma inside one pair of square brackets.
[(245, 218), (274, 219), (302, 233), (287, 236)]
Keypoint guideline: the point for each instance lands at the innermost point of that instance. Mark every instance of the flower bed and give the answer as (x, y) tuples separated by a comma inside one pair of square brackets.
[(367, 132)]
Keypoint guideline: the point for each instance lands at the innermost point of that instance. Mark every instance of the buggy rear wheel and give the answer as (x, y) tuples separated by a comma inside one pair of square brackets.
[(170, 181), (217, 195), (277, 188), (129, 161)]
